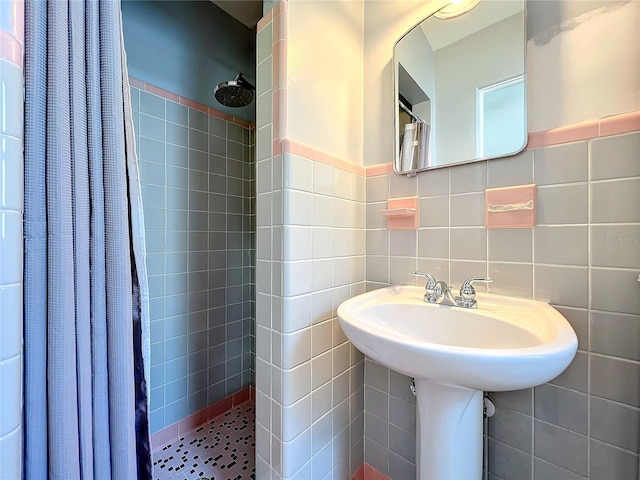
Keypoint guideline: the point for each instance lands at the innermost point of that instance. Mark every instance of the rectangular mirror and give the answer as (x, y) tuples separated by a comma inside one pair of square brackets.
[(460, 86)]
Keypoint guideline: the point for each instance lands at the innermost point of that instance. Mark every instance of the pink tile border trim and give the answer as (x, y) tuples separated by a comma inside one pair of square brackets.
[(10, 49), (291, 146), (367, 472), (147, 87), (570, 133), (264, 21), (380, 169), (277, 9), (279, 70), (625, 123), (280, 24), (605, 127), (187, 424)]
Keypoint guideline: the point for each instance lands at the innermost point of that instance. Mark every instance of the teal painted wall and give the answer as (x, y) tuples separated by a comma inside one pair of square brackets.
[(187, 48)]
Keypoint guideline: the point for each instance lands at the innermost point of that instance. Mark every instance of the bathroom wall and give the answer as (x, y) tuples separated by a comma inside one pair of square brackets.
[(582, 257), (324, 77), (310, 241), (188, 49), (198, 186), (11, 245)]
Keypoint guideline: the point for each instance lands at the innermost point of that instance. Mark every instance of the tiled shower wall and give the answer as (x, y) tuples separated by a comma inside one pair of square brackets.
[(197, 174), (583, 257), (11, 245)]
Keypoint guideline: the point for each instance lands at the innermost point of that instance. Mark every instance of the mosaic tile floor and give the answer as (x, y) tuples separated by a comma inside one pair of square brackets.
[(222, 449)]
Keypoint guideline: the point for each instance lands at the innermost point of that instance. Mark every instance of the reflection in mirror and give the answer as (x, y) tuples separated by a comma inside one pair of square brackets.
[(460, 87)]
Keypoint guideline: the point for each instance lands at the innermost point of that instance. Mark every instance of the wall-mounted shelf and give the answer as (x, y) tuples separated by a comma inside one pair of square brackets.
[(401, 213), (398, 212)]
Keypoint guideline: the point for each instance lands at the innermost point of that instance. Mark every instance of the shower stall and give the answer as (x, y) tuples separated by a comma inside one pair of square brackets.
[(197, 171)]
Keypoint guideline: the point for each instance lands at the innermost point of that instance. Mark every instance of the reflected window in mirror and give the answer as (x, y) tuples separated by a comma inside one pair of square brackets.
[(460, 86)]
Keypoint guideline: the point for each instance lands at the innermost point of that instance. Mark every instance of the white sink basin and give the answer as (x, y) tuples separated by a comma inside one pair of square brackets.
[(454, 354), (505, 344)]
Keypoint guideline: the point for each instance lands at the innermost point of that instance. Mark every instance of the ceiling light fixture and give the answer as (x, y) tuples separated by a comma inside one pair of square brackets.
[(455, 9)]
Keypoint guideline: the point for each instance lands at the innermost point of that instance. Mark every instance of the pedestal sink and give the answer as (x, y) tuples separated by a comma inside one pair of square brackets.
[(454, 354)]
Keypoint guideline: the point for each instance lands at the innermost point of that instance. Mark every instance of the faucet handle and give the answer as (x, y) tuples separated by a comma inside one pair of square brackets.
[(431, 281), (467, 285), (468, 294)]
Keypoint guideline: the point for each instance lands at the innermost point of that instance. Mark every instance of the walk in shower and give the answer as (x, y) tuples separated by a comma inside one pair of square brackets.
[(197, 172)]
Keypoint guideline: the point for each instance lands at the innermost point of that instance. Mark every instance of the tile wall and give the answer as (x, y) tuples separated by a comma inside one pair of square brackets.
[(197, 173), (11, 244), (583, 257), (310, 257)]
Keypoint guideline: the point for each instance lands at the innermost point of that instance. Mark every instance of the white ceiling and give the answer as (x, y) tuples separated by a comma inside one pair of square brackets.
[(245, 11)]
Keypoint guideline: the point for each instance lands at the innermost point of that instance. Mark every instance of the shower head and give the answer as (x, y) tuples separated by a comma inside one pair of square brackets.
[(235, 93)]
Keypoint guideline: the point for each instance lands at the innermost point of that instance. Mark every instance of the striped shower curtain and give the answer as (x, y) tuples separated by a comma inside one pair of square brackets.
[(86, 295)]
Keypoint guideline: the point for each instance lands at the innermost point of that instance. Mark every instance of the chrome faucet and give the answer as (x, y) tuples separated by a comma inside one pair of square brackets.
[(437, 291), (467, 298)]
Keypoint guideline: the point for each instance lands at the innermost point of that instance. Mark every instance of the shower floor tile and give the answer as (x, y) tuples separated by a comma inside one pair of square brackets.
[(222, 449)]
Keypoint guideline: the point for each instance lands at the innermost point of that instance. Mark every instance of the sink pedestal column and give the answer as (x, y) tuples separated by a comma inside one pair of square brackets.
[(449, 427)]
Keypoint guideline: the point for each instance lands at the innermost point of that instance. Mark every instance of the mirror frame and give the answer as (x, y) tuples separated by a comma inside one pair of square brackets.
[(396, 96)]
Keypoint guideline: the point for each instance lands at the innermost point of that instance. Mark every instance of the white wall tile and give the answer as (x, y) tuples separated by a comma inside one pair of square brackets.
[(11, 455), (296, 313), (297, 347), (296, 384), (297, 454), (323, 214), (298, 173), (298, 208), (11, 173), (298, 278), (322, 242), (10, 320), (11, 399), (296, 418), (297, 242), (323, 179), (321, 369), (10, 245)]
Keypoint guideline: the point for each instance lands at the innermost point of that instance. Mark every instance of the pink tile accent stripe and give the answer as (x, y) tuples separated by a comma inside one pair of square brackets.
[(570, 133), (617, 124), (367, 472), (279, 114), (517, 197), (10, 48), (264, 21), (605, 127), (291, 146), (175, 430), (280, 8), (279, 50), (380, 169), (147, 87), (280, 24)]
